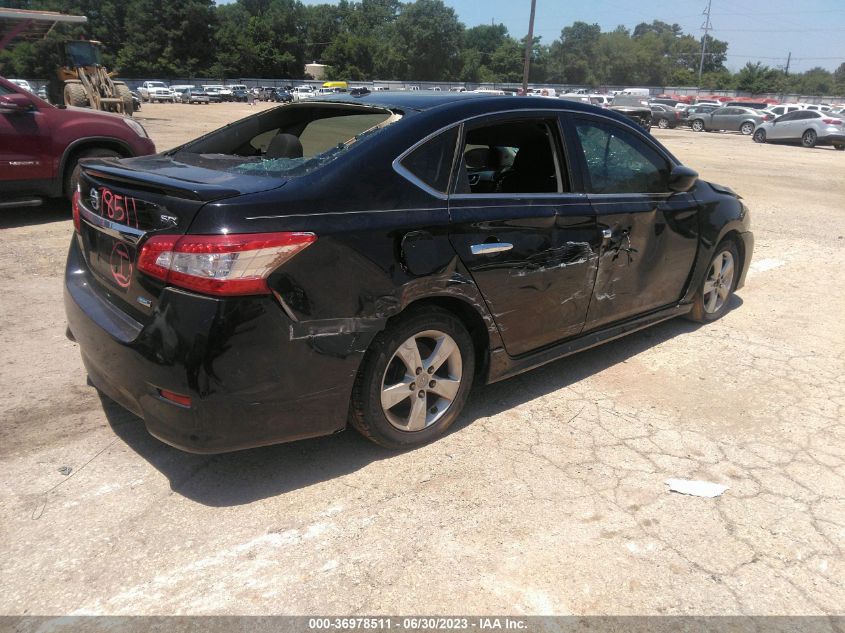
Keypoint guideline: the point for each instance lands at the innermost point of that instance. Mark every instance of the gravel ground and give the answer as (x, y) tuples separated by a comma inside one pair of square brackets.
[(547, 498)]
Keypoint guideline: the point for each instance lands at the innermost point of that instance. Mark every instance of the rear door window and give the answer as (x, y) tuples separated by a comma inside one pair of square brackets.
[(512, 157)]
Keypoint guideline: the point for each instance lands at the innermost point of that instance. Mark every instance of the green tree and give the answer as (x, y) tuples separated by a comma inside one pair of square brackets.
[(572, 58), (427, 38), (756, 78), (169, 39)]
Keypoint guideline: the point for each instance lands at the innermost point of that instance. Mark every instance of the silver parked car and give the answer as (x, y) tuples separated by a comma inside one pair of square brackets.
[(808, 127), (732, 119)]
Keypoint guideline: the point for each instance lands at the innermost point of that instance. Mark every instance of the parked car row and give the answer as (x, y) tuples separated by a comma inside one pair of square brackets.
[(809, 125)]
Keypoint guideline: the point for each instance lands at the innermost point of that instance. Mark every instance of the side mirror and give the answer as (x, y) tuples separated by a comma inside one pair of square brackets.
[(682, 179), (14, 103)]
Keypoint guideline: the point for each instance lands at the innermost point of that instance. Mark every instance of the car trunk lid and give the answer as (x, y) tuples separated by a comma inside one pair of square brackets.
[(121, 204)]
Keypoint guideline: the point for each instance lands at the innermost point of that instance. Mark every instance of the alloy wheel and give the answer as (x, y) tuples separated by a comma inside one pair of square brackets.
[(698, 125), (717, 286), (663, 124), (421, 380), (809, 139), (747, 128), (760, 136)]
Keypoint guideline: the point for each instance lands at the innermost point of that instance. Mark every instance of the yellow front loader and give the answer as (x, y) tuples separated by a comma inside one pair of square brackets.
[(84, 81)]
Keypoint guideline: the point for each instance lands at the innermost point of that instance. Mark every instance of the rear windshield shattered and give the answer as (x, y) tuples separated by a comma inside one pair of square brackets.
[(288, 141)]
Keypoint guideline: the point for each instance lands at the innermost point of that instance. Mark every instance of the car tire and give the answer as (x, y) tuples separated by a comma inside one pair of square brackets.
[(809, 138), (839, 147), (713, 297), (72, 168), (663, 124), (420, 337), (697, 125), (747, 128), (759, 136)]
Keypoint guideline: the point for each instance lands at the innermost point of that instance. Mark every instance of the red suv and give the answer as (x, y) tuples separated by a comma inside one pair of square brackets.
[(41, 145)]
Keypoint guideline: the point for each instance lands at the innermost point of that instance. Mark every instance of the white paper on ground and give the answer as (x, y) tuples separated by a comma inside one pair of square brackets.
[(695, 488)]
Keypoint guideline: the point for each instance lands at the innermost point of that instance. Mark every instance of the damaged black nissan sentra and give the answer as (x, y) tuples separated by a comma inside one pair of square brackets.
[(364, 259)]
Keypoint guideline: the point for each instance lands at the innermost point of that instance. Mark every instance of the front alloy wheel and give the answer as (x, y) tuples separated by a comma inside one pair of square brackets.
[(760, 136), (414, 379), (714, 294)]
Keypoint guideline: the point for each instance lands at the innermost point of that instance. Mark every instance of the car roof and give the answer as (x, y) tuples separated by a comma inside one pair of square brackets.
[(480, 103)]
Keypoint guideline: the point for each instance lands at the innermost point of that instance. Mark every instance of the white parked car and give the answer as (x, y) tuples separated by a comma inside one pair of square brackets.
[(221, 91), (807, 127), (23, 83), (779, 110), (303, 92), (542, 92), (157, 91)]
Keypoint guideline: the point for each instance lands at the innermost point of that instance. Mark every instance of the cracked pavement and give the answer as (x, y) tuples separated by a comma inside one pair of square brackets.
[(548, 496)]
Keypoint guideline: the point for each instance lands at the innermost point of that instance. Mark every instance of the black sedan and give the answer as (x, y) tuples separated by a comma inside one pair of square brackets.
[(366, 259), (664, 117)]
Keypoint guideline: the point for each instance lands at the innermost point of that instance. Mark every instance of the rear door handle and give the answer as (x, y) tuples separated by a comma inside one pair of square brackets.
[(488, 248)]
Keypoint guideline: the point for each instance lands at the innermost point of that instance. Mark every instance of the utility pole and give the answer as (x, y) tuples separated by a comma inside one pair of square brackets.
[(706, 26), (529, 47), (788, 59)]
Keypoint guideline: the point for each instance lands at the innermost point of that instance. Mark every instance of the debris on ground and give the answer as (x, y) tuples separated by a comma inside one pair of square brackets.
[(695, 487)]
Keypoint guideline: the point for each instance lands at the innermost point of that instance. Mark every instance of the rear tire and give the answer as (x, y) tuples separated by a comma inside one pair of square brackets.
[(72, 168), (716, 289), (809, 138), (747, 128), (427, 354), (663, 124), (697, 125), (75, 94), (760, 136)]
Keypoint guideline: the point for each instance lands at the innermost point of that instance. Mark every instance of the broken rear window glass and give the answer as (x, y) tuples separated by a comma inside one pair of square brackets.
[(288, 141)]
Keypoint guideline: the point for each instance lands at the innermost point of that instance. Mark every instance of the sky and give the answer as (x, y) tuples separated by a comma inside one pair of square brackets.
[(756, 30)]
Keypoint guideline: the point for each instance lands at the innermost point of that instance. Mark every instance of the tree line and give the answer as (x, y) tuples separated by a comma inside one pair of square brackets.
[(422, 40)]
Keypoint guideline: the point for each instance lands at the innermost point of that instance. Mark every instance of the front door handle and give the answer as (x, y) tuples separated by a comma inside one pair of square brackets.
[(488, 248)]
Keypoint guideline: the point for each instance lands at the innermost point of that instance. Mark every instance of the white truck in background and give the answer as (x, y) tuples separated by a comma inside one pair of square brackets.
[(156, 91)]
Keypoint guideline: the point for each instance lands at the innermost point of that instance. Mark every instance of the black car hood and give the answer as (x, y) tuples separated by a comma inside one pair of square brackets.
[(195, 176)]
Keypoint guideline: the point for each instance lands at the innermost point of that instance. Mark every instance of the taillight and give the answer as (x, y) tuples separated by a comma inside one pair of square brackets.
[(74, 205), (223, 265), (832, 121)]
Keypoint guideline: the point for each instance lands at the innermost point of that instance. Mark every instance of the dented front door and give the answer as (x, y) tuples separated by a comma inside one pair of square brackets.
[(647, 254), (649, 233)]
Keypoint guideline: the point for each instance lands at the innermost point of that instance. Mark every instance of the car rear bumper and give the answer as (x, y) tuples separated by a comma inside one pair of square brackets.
[(251, 381), (831, 139)]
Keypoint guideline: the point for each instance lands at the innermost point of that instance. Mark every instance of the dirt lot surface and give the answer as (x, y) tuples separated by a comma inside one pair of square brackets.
[(548, 496)]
